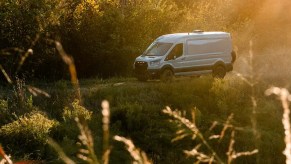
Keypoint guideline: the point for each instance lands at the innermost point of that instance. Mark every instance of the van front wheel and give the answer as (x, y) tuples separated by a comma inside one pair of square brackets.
[(219, 72), (167, 75)]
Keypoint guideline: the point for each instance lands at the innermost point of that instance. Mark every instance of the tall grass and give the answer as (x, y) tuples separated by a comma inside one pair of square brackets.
[(87, 151), (212, 156), (285, 98), (135, 112), (251, 80)]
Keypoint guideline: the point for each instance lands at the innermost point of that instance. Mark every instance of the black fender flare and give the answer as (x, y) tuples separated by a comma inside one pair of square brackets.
[(167, 67), (219, 63)]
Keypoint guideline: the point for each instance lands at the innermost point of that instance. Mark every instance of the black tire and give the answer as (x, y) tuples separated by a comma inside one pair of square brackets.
[(167, 75), (219, 72)]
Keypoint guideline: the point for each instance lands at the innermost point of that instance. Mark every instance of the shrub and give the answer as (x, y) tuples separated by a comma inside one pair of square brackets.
[(68, 130), (20, 102), (3, 107), (76, 111), (4, 112), (30, 131), (230, 94), (61, 93)]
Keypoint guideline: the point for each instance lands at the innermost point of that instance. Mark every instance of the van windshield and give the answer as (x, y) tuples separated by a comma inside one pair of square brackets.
[(158, 49)]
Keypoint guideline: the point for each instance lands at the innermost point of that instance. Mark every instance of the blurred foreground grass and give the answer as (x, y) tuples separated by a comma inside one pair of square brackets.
[(136, 113)]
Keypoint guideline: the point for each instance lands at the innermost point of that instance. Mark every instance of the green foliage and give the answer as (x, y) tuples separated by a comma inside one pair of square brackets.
[(136, 111), (62, 95), (23, 26), (4, 112), (104, 37), (66, 134), (109, 31), (29, 131), (21, 101), (77, 111), (30, 126), (136, 114), (3, 106), (230, 94)]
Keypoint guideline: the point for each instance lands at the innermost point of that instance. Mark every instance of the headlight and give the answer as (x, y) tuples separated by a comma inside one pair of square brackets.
[(155, 63)]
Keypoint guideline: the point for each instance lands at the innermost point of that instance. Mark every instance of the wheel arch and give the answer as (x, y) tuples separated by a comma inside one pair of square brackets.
[(219, 63), (167, 67), (233, 56)]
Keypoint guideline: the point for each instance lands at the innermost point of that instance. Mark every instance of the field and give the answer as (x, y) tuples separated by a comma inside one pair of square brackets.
[(136, 113)]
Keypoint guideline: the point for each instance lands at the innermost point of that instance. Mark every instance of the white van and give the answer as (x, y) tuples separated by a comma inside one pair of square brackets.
[(186, 54)]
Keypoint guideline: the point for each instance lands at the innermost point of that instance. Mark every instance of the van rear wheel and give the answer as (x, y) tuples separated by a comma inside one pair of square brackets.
[(219, 72), (167, 75)]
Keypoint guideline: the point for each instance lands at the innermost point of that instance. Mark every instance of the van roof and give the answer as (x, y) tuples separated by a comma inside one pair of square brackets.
[(173, 38)]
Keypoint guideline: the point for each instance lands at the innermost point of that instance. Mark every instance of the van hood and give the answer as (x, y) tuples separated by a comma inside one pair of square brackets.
[(148, 58)]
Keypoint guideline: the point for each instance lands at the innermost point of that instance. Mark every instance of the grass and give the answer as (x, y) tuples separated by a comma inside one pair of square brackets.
[(136, 113)]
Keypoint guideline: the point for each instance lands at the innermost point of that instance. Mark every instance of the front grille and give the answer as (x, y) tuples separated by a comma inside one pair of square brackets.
[(141, 66)]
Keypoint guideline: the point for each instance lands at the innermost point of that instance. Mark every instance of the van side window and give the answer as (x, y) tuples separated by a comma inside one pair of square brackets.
[(176, 52)]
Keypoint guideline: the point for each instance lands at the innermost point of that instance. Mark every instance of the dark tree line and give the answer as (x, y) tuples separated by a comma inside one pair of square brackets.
[(104, 37)]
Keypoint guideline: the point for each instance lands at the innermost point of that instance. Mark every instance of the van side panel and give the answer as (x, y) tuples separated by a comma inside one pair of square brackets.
[(207, 51)]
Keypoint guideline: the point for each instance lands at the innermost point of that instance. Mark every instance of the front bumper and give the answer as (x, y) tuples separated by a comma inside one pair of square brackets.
[(150, 73), (141, 69), (154, 73)]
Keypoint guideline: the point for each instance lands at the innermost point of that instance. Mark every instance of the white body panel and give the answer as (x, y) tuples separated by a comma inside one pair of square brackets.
[(201, 51)]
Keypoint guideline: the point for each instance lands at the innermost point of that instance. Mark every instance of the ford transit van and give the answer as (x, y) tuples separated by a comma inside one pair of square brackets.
[(186, 54)]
